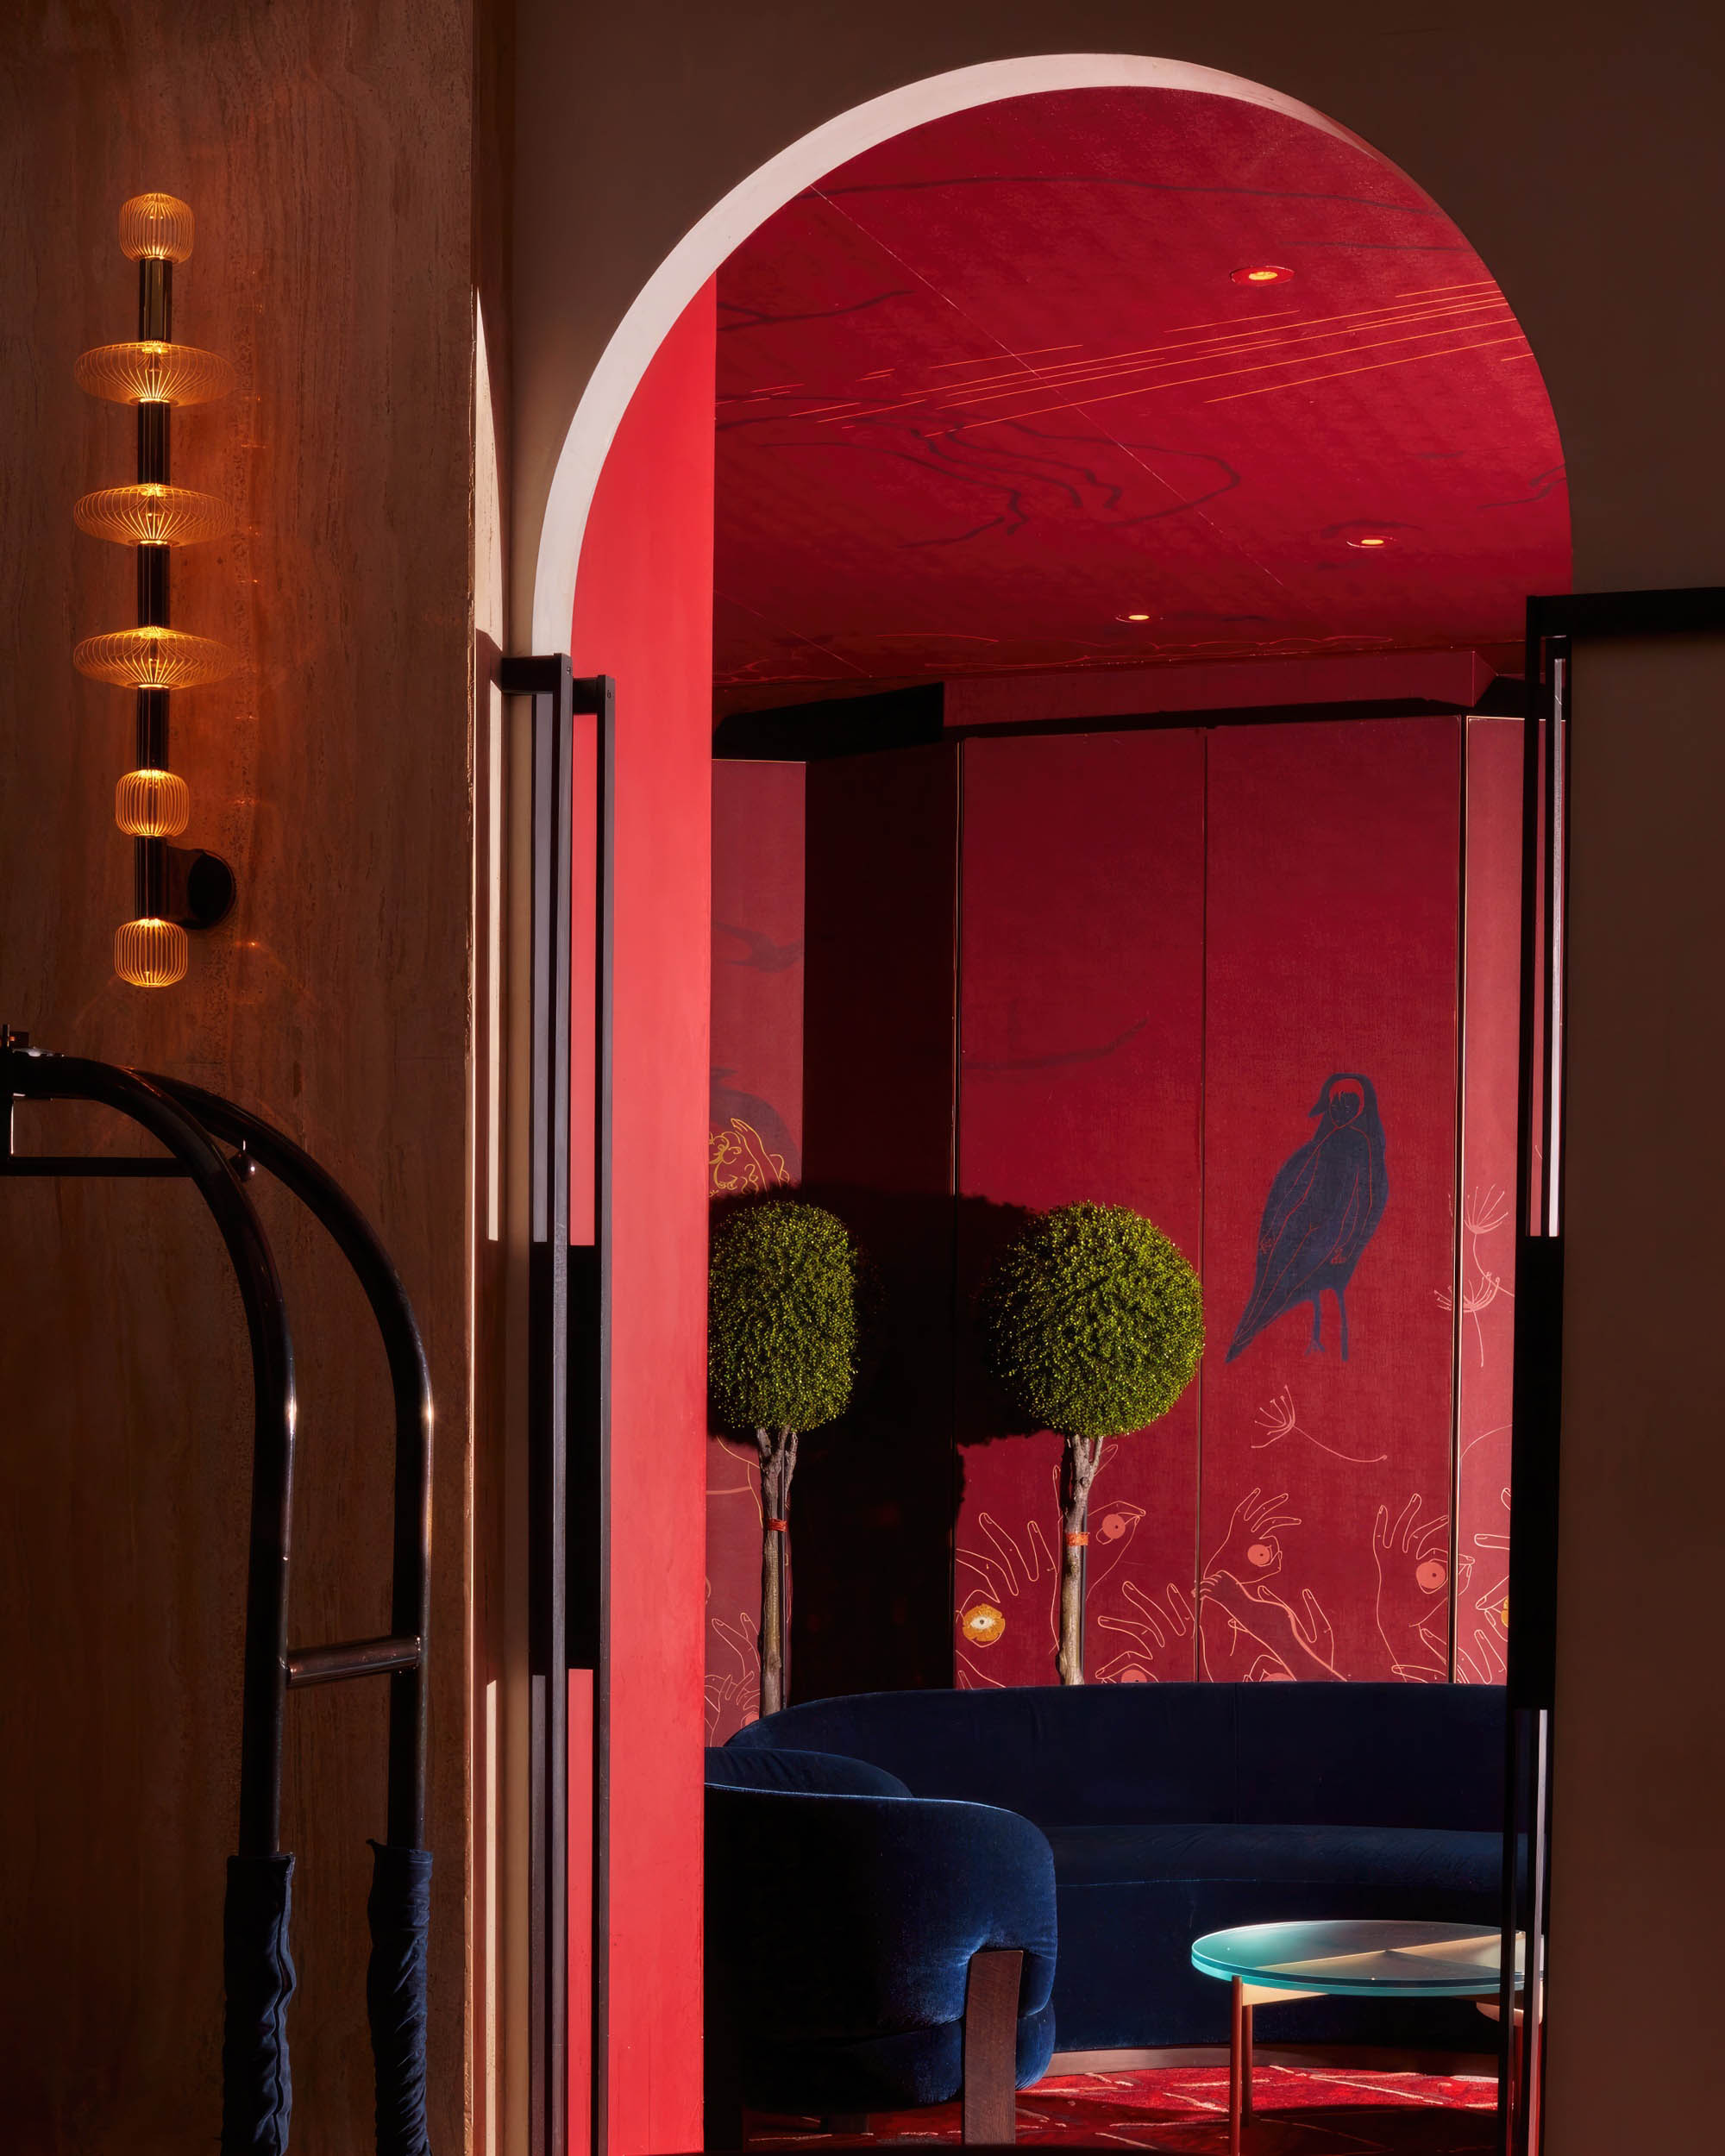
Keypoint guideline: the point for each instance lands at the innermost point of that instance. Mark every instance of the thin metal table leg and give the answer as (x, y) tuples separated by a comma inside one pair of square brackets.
[(1236, 2054), (1245, 2063)]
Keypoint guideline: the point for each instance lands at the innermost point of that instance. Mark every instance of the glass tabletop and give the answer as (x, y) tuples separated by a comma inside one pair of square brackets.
[(1364, 1959)]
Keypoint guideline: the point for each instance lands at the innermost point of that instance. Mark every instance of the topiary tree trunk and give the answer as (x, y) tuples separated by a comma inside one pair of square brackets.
[(1082, 1455), (782, 1327), (778, 1450), (1092, 1323)]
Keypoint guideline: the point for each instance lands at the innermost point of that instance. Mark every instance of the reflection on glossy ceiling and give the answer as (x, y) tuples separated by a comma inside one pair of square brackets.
[(1114, 376)]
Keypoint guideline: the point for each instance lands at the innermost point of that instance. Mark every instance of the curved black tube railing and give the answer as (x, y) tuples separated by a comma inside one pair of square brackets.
[(33, 1075), (257, 2093), (410, 1383)]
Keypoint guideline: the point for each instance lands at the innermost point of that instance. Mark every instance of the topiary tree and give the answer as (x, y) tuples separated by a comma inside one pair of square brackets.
[(1092, 1323), (783, 1336)]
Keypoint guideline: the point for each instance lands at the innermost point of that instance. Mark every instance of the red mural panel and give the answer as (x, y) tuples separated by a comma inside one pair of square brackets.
[(1329, 1143), (1081, 998), (644, 612), (753, 1143), (1485, 1361)]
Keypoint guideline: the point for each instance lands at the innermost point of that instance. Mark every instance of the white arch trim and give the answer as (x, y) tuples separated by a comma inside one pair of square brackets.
[(698, 256)]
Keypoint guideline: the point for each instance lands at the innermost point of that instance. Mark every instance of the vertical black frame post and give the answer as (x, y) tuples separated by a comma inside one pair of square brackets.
[(547, 682), (567, 1378), (1555, 626), (589, 1487), (1536, 1411)]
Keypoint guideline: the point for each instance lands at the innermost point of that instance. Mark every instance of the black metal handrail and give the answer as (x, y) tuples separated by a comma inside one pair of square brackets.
[(411, 1384), (33, 1075), (187, 1120)]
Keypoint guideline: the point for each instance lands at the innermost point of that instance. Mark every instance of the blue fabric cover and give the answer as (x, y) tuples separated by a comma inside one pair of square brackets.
[(1098, 1755), (815, 1773), (399, 1909), (1177, 1809), (840, 1930), (257, 2086)]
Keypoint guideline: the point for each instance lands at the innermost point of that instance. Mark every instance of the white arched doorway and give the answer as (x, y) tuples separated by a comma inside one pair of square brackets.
[(698, 256), (658, 833)]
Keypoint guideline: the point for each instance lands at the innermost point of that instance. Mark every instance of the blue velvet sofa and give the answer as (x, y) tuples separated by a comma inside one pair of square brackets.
[(868, 1950), (1177, 1809)]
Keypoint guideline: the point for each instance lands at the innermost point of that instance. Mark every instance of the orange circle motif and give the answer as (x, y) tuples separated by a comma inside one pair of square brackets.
[(983, 1624), (1432, 1574)]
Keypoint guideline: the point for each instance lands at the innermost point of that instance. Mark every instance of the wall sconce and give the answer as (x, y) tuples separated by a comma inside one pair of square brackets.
[(177, 888)]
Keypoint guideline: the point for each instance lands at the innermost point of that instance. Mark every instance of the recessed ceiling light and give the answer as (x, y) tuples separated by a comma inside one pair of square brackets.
[(1131, 616), (1372, 539), (1263, 273)]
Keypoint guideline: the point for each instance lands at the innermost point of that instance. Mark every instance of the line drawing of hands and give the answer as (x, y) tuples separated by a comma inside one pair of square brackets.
[(1165, 1623), (1411, 1556), (1230, 1648), (999, 1567), (968, 1678), (743, 1683), (1301, 1642), (1484, 1663), (1251, 1550), (1496, 1542)]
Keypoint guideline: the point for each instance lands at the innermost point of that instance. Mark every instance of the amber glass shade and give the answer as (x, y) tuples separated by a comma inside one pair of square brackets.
[(151, 954), (152, 804), (149, 372), (151, 516), (157, 227), (153, 659)]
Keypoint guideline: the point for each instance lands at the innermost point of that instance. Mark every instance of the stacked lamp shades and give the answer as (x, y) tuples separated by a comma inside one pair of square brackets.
[(175, 889)]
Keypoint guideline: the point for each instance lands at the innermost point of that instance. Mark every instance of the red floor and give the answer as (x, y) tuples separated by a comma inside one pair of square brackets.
[(1319, 2112)]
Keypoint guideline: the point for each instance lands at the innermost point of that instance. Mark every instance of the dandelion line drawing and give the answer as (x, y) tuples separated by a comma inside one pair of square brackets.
[(1483, 1213), (1277, 1419)]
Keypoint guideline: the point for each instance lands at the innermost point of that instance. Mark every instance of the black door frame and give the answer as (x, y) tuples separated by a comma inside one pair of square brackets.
[(1555, 626), (568, 1372)]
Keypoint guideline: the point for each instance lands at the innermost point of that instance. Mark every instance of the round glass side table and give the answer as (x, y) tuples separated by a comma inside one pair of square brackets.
[(1358, 1959)]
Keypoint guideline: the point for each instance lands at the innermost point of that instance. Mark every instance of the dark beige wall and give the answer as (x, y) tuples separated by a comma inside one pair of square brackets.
[(1638, 1860), (325, 149)]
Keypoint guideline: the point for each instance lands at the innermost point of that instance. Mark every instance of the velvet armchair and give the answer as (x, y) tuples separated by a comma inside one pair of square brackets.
[(868, 1950)]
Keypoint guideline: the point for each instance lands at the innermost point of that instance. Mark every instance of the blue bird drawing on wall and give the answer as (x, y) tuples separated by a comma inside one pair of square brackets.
[(1323, 1209)]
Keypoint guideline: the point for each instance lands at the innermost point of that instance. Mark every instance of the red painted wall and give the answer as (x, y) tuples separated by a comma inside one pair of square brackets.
[(1171, 942), (755, 1131), (1167, 944), (1081, 1047), (643, 613), (1488, 1221), (1332, 889)]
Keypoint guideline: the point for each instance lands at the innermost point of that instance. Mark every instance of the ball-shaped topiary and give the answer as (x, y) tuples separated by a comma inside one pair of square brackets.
[(784, 1287), (781, 1316), (1093, 1321)]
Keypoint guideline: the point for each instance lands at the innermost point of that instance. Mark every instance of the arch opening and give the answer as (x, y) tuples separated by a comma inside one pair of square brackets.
[(1170, 553), (699, 254)]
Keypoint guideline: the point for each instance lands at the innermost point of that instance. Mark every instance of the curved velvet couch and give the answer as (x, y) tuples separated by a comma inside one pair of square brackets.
[(844, 1919), (1177, 1809)]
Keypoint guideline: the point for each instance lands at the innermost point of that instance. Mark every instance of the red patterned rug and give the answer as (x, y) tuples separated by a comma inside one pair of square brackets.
[(1299, 2112)]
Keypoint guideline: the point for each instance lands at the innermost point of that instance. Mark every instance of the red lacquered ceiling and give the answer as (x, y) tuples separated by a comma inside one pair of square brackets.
[(995, 384)]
